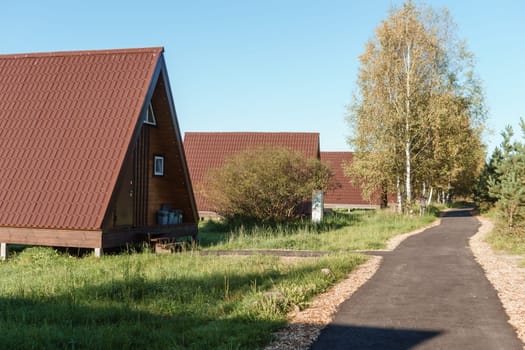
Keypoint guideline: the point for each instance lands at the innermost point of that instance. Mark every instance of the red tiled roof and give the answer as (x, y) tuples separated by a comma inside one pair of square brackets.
[(208, 150), (347, 194), (66, 121)]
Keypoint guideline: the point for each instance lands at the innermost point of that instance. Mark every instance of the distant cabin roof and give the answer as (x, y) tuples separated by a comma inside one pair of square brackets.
[(66, 122), (347, 194), (209, 150)]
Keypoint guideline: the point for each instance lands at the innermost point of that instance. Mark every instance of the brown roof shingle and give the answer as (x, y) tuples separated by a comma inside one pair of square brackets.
[(209, 150), (66, 121), (347, 194)]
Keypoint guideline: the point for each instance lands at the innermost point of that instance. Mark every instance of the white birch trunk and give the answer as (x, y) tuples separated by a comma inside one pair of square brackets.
[(399, 197), (408, 180), (408, 185), (429, 201)]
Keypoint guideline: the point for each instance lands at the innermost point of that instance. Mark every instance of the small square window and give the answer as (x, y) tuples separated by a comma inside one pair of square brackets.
[(158, 166)]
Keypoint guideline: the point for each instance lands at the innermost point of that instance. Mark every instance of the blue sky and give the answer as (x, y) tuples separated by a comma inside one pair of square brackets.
[(272, 65)]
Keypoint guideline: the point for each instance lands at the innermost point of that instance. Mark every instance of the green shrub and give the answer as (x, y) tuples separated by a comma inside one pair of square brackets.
[(266, 184)]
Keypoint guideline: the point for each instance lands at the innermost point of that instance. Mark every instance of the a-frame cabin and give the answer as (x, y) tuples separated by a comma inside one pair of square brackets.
[(90, 150)]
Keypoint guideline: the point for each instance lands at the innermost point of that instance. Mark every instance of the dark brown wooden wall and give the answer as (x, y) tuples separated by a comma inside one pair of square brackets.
[(171, 188)]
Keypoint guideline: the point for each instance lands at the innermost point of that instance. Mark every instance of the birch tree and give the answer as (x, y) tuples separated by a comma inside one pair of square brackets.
[(418, 112)]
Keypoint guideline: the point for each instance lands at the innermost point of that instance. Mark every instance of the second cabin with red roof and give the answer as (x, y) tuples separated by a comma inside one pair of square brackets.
[(209, 150)]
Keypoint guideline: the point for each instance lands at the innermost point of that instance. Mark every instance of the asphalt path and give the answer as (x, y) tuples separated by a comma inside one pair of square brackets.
[(429, 293)]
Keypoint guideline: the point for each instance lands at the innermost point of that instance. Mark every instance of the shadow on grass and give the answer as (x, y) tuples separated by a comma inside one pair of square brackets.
[(214, 232), (48, 324), (135, 313)]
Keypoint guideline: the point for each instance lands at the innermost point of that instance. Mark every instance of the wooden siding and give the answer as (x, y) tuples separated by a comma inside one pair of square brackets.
[(141, 178), (171, 188), (51, 237)]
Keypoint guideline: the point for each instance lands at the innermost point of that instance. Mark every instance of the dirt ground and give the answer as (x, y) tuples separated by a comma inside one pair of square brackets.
[(503, 272)]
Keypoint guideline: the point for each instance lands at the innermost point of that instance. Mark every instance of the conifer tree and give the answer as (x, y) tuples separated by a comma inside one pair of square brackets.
[(482, 197), (509, 185)]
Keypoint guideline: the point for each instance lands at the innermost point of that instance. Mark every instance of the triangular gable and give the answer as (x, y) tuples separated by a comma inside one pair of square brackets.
[(66, 123), (166, 132), (179, 147)]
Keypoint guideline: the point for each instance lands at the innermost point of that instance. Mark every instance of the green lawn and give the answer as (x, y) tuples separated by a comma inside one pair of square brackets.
[(342, 232), (50, 300)]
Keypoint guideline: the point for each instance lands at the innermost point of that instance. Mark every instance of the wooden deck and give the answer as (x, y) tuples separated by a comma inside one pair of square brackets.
[(96, 239), (123, 236)]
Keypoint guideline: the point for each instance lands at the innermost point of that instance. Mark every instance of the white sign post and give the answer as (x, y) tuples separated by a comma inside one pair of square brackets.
[(317, 206), (3, 251)]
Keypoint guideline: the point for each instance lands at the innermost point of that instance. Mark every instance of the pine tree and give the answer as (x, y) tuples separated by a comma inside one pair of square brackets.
[(482, 197), (509, 186)]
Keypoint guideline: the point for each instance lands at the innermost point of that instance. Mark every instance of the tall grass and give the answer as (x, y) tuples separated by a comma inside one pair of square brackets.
[(504, 239), (135, 301), (357, 230), (511, 243), (514, 244)]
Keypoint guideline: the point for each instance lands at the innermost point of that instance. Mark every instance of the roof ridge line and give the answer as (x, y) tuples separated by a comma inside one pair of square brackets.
[(252, 132), (153, 49)]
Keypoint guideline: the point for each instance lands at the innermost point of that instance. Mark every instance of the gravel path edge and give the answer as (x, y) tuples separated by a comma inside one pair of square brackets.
[(504, 274)]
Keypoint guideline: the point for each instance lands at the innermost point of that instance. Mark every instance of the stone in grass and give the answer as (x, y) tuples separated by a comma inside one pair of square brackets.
[(294, 311), (326, 272), (275, 295)]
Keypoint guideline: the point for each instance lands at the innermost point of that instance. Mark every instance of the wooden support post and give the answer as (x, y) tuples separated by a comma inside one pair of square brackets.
[(3, 251), (98, 252)]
